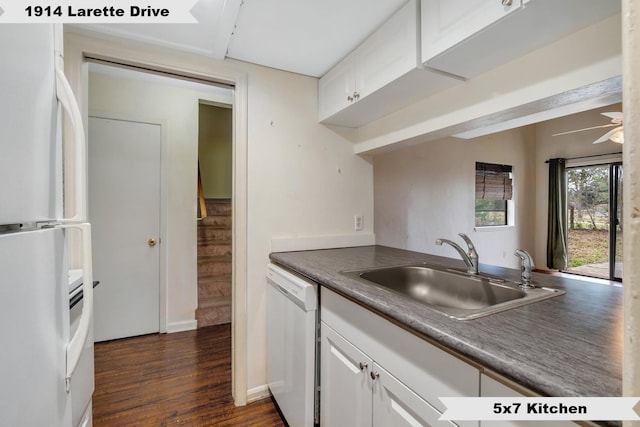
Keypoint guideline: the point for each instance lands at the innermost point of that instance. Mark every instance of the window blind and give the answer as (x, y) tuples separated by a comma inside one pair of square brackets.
[(493, 181)]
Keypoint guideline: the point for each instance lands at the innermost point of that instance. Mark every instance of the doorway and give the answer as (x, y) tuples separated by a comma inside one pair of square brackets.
[(124, 209), (594, 232), (176, 293)]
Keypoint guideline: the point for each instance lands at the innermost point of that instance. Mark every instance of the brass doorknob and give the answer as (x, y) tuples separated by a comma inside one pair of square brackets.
[(152, 242)]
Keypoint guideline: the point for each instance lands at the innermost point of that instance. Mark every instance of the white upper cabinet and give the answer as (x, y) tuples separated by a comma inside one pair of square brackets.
[(337, 87), (389, 53), (381, 75), (446, 23), (469, 37)]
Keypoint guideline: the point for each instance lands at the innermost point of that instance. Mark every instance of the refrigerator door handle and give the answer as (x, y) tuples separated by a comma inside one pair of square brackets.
[(77, 342), (70, 105)]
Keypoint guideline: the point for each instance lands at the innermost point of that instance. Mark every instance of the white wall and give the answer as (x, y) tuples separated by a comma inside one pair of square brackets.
[(427, 191), (303, 179), (175, 107), (215, 151), (566, 146)]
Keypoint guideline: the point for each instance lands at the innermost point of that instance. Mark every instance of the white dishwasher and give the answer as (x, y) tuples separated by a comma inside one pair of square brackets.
[(292, 331)]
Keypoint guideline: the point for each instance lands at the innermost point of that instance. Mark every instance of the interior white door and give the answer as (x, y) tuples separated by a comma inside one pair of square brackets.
[(124, 209)]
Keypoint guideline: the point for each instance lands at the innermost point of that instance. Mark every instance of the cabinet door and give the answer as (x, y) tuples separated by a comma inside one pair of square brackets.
[(336, 87), (345, 387), (446, 23), (394, 404), (492, 388), (389, 53)]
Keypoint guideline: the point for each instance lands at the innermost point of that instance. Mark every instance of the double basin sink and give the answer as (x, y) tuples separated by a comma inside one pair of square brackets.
[(454, 293)]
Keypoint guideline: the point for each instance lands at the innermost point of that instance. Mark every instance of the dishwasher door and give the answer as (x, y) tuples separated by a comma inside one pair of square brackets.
[(291, 345)]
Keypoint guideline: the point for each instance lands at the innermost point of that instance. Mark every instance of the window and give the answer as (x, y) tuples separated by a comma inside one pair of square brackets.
[(494, 189)]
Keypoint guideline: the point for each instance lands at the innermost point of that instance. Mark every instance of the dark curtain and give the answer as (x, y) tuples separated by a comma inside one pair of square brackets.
[(557, 219)]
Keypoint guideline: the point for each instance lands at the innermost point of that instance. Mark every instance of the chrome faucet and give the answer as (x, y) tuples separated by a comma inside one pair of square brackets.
[(470, 257), (526, 265)]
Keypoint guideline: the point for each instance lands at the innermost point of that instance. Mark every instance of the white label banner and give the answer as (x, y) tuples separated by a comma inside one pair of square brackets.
[(97, 11), (540, 408)]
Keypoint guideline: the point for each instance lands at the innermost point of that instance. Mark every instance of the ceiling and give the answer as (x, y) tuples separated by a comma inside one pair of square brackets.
[(302, 36)]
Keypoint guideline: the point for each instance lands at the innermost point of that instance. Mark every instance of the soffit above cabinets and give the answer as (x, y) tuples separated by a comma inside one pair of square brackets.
[(302, 36)]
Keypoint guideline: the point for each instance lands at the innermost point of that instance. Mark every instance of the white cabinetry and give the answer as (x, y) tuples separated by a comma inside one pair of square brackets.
[(446, 23), (356, 391), (375, 373), (469, 37), (337, 88), (345, 385), (492, 388), (379, 76), (394, 404)]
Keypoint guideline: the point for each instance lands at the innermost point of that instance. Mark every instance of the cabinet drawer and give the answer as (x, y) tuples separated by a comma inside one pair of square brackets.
[(426, 369)]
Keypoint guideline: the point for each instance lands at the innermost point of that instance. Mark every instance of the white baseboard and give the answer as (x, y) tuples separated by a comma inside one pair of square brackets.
[(185, 325), (258, 393), (287, 244)]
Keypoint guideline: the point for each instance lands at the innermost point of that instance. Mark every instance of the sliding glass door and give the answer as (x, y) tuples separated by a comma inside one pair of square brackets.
[(615, 249), (594, 232)]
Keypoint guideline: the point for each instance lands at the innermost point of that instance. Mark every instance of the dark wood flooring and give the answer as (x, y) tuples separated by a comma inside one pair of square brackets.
[(180, 379)]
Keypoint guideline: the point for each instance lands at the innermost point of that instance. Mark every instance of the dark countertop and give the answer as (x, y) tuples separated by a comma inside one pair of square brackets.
[(569, 345)]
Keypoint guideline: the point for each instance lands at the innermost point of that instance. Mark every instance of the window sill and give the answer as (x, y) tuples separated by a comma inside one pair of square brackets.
[(494, 228)]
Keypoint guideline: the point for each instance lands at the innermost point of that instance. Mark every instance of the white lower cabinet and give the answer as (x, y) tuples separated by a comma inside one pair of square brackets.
[(345, 386), (374, 373), (394, 404), (356, 391)]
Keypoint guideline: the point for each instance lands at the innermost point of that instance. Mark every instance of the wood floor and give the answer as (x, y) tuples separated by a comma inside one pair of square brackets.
[(180, 379)]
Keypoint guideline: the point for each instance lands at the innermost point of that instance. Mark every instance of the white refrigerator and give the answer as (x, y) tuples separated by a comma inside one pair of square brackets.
[(46, 365)]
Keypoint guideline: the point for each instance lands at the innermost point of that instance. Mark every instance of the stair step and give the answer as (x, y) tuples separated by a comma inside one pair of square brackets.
[(214, 313), (213, 286), (218, 207), (214, 264), (219, 221), (214, 249), (215, 277), (217, 302), (209, 233), (213, 259), (207, 294)]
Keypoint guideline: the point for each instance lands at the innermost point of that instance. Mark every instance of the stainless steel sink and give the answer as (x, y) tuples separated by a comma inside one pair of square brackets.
[(457, 294)]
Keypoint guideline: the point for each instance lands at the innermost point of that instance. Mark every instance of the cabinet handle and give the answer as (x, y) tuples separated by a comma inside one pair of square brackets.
[(350, 98), (363, 366), (507, 2), (374, 375), (356, 95)]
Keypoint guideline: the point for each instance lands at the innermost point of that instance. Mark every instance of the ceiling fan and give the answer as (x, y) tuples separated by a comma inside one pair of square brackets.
[(616, 134)]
